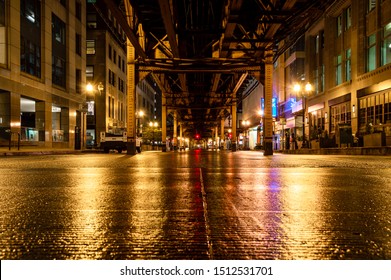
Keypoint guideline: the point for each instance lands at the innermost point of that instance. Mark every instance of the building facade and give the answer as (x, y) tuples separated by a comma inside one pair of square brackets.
[(347, 60), (42, 72), (105, 73)]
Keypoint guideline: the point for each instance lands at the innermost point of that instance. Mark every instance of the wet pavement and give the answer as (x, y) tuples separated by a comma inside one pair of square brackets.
[(195, 205)]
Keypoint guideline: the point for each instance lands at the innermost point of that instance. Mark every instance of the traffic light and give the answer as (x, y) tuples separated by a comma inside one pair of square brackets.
[(197, 136), (230, 135)]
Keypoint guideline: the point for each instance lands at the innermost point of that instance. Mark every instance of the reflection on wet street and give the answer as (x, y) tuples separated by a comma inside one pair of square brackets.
[(195, 205)]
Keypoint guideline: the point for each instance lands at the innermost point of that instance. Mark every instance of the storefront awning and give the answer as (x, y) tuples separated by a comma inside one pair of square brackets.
[(316, 107)]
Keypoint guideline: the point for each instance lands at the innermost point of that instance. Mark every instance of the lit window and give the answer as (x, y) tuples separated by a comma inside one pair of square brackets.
[(371, 5), (348, 67), (386, 45), (90, 46), (91, 21), (348, 18), (338, 70), (89, 71), (339, 25), (371, 53)]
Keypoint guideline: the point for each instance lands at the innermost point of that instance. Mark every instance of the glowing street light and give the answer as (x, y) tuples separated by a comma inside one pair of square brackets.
[(297, 88)]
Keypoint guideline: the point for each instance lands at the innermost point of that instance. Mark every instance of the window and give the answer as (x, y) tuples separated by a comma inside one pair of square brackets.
[(115, 57), (386, 45), (111, 78), (59, 129), (121, 84), (371, 52), (78, 10), (91, 21), (340, 114), (90, 46), (63, 2), (78, 44), (110, 52), (30, 57), (339, 25), (338, 70), (387, 108), (89, 72), (317, 41), (348, 18), (109, 104), (31, 11), (58, 52), (2, 12), (58, 29), (348, 68), (58, 71), (371, 5), (375, 112), (111, 107), (30, 37)]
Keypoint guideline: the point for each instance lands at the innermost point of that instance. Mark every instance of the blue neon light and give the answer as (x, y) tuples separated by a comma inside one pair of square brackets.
[(274, 106)]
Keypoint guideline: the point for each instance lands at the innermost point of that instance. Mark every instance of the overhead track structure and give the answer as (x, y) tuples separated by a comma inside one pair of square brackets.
[(205, 54)]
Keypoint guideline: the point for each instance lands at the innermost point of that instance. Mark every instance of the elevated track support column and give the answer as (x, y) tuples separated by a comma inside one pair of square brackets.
[(131, 98), (222, 134), (233, 113), (164, 123), (268, 118), (175, 133)]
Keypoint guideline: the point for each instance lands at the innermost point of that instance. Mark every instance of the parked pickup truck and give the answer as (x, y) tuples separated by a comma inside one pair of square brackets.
[(109, 141)]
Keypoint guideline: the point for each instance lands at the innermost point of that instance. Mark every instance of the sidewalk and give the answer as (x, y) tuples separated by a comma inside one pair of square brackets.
[(25, 151), (357, 151)]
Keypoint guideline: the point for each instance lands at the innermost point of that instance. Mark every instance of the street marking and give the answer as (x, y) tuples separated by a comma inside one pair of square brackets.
[(206, 219)]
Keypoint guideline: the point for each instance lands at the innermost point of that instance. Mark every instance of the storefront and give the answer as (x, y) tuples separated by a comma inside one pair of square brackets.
[(375, 113), (340, 112), (36, 122)]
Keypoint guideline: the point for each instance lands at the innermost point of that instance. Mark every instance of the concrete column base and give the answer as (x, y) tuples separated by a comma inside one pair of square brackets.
[(268, 149), (131, 148)]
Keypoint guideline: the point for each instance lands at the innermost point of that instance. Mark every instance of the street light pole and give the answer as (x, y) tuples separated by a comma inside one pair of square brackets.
[(91, 89), (307, 89), (139, 126), (153, 125)]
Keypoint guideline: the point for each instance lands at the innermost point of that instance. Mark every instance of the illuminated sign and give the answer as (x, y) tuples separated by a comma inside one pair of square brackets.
[(56, 109), (274, 106)]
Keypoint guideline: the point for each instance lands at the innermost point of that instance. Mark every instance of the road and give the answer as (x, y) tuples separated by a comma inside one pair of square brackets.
[(195, 205)]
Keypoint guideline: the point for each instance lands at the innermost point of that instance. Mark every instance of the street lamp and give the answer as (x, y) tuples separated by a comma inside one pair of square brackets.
[(139, 115), (298, 89), (153, 125), (91, 111)]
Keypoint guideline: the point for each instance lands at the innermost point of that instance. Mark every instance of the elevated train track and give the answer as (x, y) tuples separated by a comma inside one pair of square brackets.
[(205, 55)]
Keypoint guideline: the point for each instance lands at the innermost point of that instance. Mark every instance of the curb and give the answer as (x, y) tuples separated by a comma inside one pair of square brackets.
[(38, 153), (361, 151)]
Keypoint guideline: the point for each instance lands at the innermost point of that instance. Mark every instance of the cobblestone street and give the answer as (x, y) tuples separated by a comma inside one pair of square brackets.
[(195, 205)]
